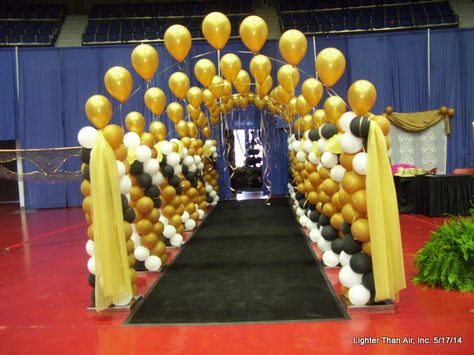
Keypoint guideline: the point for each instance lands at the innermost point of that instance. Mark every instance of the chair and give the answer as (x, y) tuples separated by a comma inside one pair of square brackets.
[(463, 171)]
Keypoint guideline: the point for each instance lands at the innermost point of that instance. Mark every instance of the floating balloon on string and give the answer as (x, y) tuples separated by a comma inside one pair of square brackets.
[(253, 31), (98, 110), (230, 66), (119, 83), (312, 90), (330, 65), (177, 40), (260, 67), (288, 77), (135, 122), (216, 29), (178, 83), (155, 100), (361, 96), (145, 60), (293, 46)]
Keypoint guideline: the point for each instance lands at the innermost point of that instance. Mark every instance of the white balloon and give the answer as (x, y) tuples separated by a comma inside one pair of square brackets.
[(301, 156), (192, 168), (143, 153), (173, 159), (213, 149), (348, 277), (90, 247), (214, 155), (303, 220), (329, 159), (213, 194), (91, 265), (344, 121), (293, 195), (136, 240), (208, 187), (125, 184), (190, 224), (141, 253), (324, 244), (359, 163), (166, 147), (307, 146), (299, 212), (131, 140), (200, 166), (188, 160), (197, 159), (157, 179), (201, 213), (311, 225), (177, 169), (123, 302), (120, 168), (330, 258), (185, 216), (315, 235), (151, 167), (296, 145), (344, 258), (312, 157), (176, 240), (350, 143), (359, 295), (322, 144), (184, 152), (290, 147), (87, 137), (164, 220), (153, 263), (337, 173), (169, 231)]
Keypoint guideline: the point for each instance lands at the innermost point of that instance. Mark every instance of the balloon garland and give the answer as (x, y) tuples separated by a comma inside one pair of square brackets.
[(167, 185)]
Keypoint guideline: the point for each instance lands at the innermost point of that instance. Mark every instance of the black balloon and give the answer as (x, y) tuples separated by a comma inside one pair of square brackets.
[(179, 190), (328, 130), (136, 168), (91, 280), (346, 228), (323, 220), (360, 126), (314, 216), (298, 196), (152, 191), (157, 202), (144, 180), (336, 245), (174, 181), (185, 169), (93, 298), (361, 263), (209, 199), (163, 161), (329, 233), (124, 202), (311, 207), (314, 134), (167, 171), (365, 141), (190, 175), (194, 183), (368, 281), (129, 215), (86, 173), (302, 203), (85, 155), (350, 245), (299, 134)]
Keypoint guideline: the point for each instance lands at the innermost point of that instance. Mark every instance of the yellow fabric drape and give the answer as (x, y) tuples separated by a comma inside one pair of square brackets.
[(419, 121), (113, 282), (384, 225)]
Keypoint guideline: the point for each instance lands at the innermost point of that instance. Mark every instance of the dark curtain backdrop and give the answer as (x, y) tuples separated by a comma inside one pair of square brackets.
[(55, 83)]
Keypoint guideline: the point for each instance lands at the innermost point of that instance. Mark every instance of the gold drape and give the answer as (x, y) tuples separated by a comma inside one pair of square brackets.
[(384, 225), (419, 121), (113, 282)]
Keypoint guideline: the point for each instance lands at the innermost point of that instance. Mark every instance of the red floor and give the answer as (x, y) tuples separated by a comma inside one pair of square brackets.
[(44, 295)]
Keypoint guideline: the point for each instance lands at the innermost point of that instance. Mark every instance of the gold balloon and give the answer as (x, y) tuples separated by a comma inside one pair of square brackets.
[(175, 112), (193, 112), (264, 88), (207, 97), (312, 90), (144, 205), (98, 110), (192, 130), (204, 70), (302, 105), (337, 220), (206, 132), (330, 65), (350, 214), (147, 139), (253, 32), (113, 135), (360, 230), (230, 66), (334, 107), (168, 192), (145, 60), (242, 82), (293, 46), (216, 29), (361, 96), (227, 89), (194, 96), (330, 186), (178, 83), (119, 83), (260, 67), (383, 123), (155, 100), (181, 128), (135, 122), (178, 41), (158, 129), (288, 77), (282, 96), (352, 182), (319, 118), (359, 201), (346, 160), (217, 86)]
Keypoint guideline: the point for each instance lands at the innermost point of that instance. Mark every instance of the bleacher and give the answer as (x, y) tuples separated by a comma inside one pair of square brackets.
[(348, 16), (30, 25), (129, 23)]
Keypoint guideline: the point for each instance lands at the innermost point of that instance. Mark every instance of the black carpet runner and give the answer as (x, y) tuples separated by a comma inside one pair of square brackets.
[(248, 262)]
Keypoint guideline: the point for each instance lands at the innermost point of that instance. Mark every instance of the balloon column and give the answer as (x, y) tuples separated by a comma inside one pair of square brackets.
[(166, 185)]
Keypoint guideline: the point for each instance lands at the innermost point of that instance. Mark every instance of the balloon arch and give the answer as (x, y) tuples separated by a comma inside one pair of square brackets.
[(142, 191)]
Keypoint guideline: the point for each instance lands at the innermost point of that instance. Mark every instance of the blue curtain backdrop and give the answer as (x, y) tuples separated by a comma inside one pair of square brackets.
[(55, 83)]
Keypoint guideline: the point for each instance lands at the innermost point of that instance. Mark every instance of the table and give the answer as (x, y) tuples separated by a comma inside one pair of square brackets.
[(435, 195)]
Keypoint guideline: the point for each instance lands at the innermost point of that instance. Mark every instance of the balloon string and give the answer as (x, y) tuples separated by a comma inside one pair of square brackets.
[(266, 180)]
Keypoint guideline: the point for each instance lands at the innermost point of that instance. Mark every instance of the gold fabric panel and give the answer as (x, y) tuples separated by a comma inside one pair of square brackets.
[(419, 121)]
